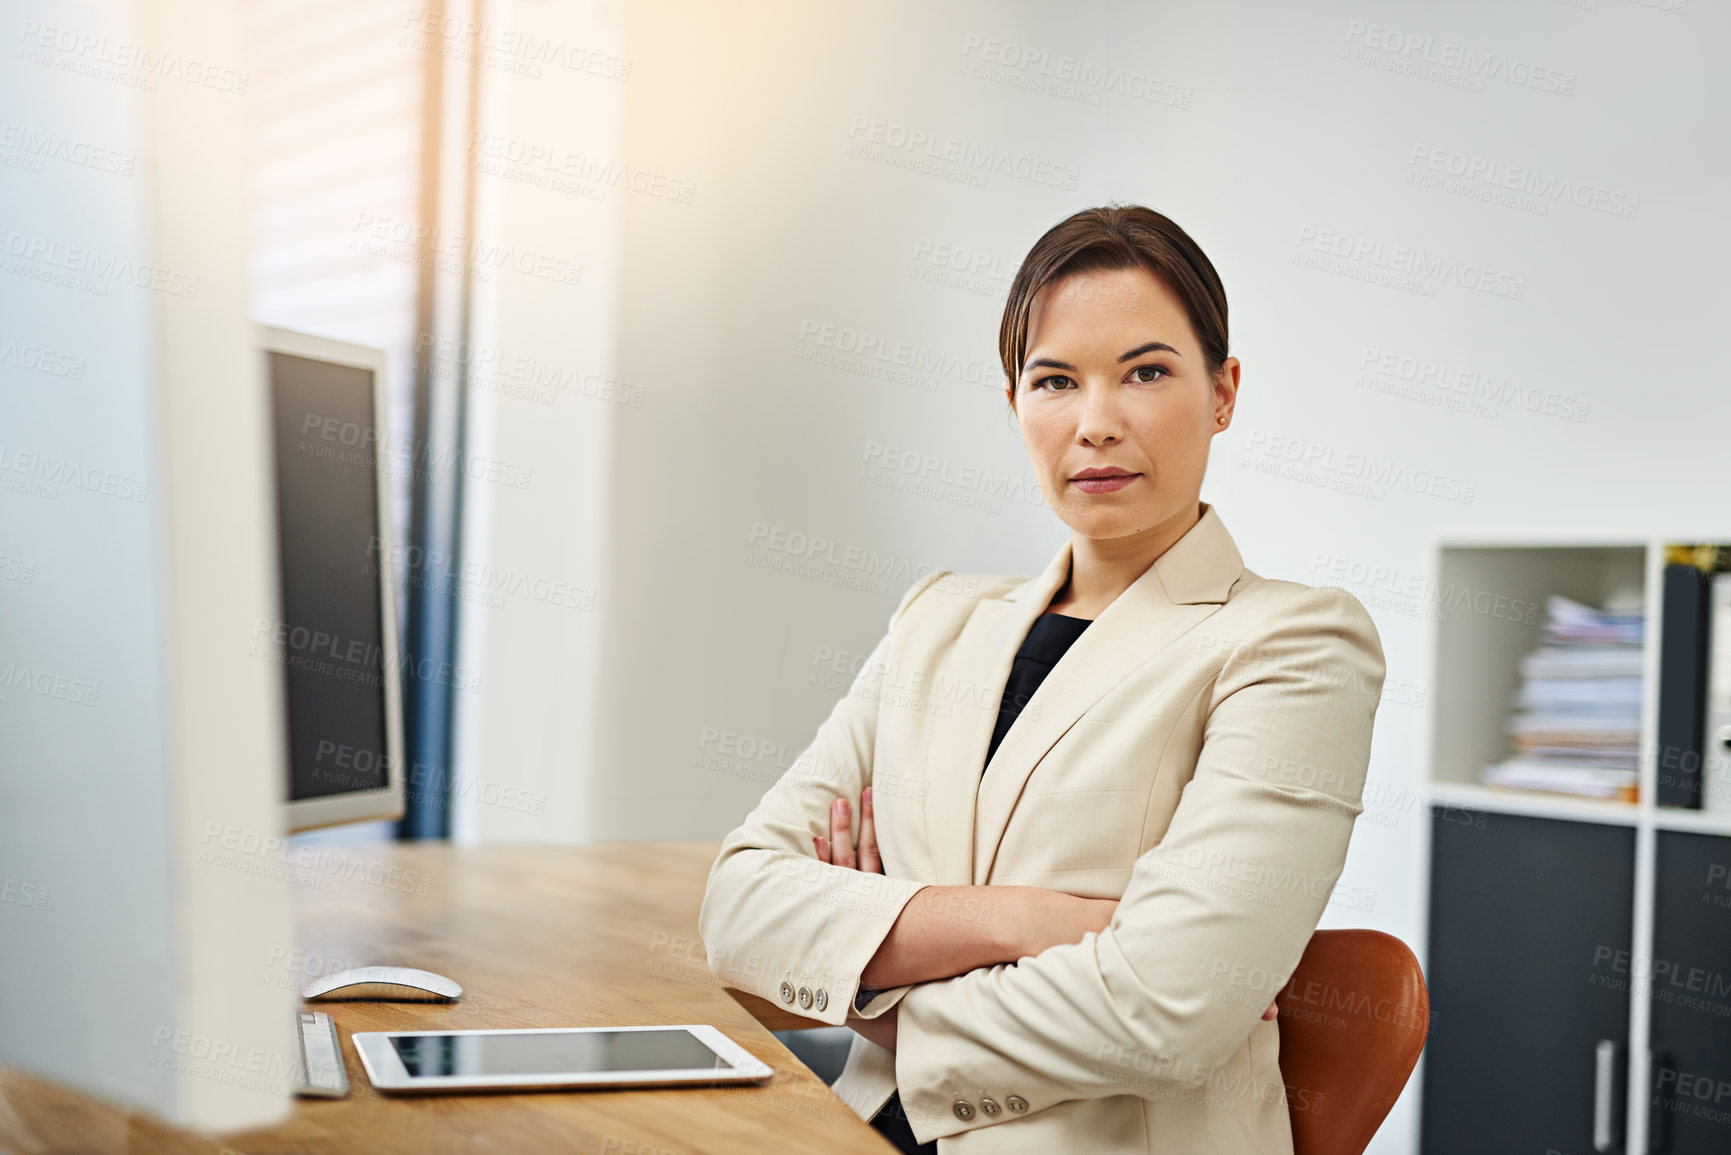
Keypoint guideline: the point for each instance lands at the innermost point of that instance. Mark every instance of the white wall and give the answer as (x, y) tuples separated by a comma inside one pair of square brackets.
[(1279, 135), (543, 400), (140, 739)]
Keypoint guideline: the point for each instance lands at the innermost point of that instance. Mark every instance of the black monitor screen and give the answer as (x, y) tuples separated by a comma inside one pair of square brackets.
[(329, 635)]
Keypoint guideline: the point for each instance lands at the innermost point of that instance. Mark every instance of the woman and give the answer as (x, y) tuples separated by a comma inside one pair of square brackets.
[(1102, 809)]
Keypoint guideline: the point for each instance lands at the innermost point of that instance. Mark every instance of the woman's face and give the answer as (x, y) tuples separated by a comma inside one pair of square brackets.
[(1113, 381)]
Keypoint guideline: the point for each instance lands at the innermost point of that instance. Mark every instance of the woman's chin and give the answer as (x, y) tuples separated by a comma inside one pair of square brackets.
[(1103, 524)]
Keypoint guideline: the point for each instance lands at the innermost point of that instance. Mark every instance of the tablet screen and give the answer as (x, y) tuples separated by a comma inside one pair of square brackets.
[(555, 1053)]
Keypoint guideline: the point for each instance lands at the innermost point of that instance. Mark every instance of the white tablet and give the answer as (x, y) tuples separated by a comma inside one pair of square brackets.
[(568, 1057)]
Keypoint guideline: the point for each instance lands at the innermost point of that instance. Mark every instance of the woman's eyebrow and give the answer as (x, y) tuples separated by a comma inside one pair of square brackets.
[(1150, 347)]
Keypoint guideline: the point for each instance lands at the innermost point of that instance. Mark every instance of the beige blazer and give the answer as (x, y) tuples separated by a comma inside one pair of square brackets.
[(1198, 754)]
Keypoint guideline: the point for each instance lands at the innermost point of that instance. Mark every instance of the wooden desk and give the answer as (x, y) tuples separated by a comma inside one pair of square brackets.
[(539, 937)]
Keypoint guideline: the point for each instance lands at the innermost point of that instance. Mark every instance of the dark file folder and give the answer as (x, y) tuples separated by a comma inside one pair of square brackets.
[(1683, 644)]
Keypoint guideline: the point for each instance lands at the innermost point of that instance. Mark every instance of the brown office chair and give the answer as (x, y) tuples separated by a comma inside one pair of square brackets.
[(1352, 1023)]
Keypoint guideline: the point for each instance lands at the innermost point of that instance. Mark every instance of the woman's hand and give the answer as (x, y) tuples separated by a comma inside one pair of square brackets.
[(838, 849), (1049, 918), (881, 1030), (1054, 918)]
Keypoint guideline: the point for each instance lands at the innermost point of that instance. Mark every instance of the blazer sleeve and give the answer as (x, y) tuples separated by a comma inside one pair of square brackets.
[(775, 921), (1215, 917)]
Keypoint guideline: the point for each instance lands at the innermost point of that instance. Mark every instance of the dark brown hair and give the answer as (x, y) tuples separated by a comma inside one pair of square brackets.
[(1117, 237)]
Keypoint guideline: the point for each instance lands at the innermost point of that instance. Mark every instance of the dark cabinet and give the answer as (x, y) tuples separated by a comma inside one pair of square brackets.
[(1689, 977), (1530, 972)]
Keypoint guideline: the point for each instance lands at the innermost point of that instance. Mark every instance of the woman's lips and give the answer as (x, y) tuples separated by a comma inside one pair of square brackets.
[(1104, 484)]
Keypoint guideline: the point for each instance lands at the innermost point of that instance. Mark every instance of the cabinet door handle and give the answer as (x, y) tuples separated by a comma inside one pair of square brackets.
[(1604, 1091), (1659, 1114)]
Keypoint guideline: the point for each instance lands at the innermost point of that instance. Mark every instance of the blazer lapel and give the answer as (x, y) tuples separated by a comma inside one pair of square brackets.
[(1183, 587), (969, 685)]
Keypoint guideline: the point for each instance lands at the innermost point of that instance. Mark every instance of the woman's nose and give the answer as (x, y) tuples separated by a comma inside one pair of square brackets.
[(1099, 420)]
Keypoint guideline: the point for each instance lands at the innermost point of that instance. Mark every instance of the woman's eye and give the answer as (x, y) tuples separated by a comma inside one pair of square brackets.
[(1149, 373), (1055, 382)]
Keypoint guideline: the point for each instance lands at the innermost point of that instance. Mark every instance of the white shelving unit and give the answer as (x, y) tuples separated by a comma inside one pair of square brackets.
[(1492, 588)]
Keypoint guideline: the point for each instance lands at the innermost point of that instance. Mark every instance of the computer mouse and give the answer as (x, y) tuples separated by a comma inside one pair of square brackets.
[(391, 984)]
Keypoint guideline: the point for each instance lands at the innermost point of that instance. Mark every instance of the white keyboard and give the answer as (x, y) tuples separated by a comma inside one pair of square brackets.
[(321, 1072)]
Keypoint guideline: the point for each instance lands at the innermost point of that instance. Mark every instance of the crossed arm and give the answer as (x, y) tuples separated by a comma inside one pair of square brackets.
[(925, 944)]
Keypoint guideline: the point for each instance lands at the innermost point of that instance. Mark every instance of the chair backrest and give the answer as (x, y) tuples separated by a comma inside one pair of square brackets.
[(1353, 1020)]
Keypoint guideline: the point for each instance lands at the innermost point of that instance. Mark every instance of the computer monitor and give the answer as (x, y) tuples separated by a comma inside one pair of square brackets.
[(337, 633)]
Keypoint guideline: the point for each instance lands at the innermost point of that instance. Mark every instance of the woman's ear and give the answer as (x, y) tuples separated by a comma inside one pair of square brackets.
[(1226, 384), (1010, 392)]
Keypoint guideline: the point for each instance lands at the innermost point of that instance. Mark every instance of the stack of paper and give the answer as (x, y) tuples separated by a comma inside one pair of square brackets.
[(1577, 716)]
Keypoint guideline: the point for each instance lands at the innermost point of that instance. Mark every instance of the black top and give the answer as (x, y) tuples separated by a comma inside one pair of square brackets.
[(1050, 637)]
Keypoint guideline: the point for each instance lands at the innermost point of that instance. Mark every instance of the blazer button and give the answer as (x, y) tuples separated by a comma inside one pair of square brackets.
[(821, 999), (964, 1110), (990, 1106), (1016, 1103), (787, 992), (804, 998)]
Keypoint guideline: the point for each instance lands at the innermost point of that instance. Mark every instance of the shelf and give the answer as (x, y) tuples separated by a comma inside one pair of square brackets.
[(1539, 539), (1539, 804), (1534, 803), (1692, 821)]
